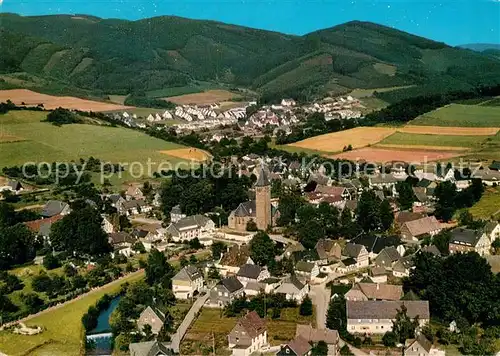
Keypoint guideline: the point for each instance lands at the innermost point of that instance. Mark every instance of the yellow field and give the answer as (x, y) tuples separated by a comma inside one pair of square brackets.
[(423, 147), (190, 154), (453, 131), (4, 138), (335, 142)]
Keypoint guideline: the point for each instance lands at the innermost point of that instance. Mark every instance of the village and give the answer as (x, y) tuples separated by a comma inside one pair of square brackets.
[(370, 266), (251, 118)]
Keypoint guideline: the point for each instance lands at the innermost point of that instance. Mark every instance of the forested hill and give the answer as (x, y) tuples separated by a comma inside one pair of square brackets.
[(118, 56)]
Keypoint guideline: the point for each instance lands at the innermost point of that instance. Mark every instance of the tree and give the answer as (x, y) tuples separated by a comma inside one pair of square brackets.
[(16, 245), (368, 211), (252, 225), (195, 244), (81, 233), (320, 349), (213, 273), (158, 270), (218, 248), (465, 218), (442, 241), (262, 248), (69, 270), (147, 333), (139, 247), (445, 194), (386, 215), (193, 260), (345, 351), (495, 245), (336, 317), (51, 262), (309, 233), (390, 339), (406, 197), (306, 307), (183, 261), (33, 302), (403, 326)]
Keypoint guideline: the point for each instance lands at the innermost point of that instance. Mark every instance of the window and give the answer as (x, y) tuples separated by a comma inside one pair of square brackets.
[(353, 327)]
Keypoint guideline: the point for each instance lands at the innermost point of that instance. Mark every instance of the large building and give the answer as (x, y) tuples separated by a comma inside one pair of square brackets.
[(258, 210)]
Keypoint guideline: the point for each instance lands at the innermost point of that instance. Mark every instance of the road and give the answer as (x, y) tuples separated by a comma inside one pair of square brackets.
[(320, 295), (146, 221), (283, 240), (189, 318)]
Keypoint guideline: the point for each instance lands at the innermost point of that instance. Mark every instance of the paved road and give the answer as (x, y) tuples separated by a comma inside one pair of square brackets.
[(181, 330), (145, 220), (320, 295), (283, 240)]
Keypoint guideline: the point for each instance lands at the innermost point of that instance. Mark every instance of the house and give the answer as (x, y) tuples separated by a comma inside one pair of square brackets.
[(358, 252), (464, 240), (495, 166), (381, 181), (133, 207), (404, 216), (378, 274), (492, 229), (297, 347), (107, 225), (387, 257), (312, 335), (432, 249), (150, 348), (374, 291), (248, 335), (55, 207), (153, 317), (42, 227), (186, 282), (488, 177), (376, 316), (328, 250), (403, 267), (235, 257), (226, 291), (333, 191), (122, 243), (188, 228), (375, 244), (134, 193), (176, 214), (12, 185), (293, 289), (292, 248), (415, 229), (421, 346), (307, 269), (250, 272)]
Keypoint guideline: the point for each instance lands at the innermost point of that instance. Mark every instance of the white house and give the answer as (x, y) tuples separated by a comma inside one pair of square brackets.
[(186, 282), (250, 272), (188, 228), (248, 335), (293, 289)]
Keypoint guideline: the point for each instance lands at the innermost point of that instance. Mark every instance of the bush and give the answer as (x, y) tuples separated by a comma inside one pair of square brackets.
[(51, 262), (10, 283), (62, 116), (33, 302), (41, 283), (389, 339), (306, 307)]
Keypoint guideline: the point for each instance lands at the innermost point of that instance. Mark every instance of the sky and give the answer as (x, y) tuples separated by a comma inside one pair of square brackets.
[(454, 22)]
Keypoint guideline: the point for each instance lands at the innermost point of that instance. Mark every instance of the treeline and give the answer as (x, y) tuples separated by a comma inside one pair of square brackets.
[(60, 116), (142, 100), (261, 304), (449, 200), (410, 108)]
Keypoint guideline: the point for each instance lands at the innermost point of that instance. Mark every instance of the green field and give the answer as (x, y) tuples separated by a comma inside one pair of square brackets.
[(401, 138), (488, 206), (49, 143), (461, 115), (62, 327)]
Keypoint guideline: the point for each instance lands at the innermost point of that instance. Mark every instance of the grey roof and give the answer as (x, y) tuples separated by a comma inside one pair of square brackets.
[(432, 249), (421, 340), (390, 253), (490, 225), (133, 204), (45, 229), (263, 179), (115, 197), (247, 208), (121, 237), (465, 236), (232, 284), (188, 273), (383, 179), (382, 309), (53, 207), (194, 221), (352, 250), (304, 266), (150, 348), (295, 281), (249, 271), (14, 184), (403, 264)]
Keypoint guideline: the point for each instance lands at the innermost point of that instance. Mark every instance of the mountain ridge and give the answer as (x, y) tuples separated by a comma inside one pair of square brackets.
[(116, 56)]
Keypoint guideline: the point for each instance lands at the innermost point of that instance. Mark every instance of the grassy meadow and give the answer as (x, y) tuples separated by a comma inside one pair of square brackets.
[(488, 206), (400, 138), (41, 141), (461, 115)]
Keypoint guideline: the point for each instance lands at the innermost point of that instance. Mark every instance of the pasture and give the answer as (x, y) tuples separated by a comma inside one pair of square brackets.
[(62, 327), (433, 141), (31, 98), (461, 115), (205, 98), (335, 142), (43, 141), (452, 131), (489, 205)]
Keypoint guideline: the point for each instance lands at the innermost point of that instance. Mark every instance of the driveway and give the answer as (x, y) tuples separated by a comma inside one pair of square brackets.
[(320, 295)]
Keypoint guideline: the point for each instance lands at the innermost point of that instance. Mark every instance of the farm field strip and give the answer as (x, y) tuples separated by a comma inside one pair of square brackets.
[(400, 138), (31, 98), (335, 142), (421, 147), (452, 131), (374, 154), (189, 154)]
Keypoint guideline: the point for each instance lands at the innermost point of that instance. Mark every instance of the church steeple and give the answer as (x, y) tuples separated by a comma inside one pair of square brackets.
[(263, 199), (263, 179)]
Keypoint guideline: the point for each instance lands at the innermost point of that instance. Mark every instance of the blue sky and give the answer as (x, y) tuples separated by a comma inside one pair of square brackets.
[(453, 22)]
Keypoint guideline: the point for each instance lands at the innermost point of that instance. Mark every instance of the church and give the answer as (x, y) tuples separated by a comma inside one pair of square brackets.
[(258, 210)]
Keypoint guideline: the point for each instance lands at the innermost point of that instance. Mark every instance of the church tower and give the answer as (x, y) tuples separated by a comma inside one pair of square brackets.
[(263, 199)]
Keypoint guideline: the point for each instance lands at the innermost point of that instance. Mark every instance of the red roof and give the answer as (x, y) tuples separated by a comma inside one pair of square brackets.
[(35, 225), (327, 190)]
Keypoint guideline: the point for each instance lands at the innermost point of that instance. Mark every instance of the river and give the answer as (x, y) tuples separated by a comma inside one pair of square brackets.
[(101, 334)]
